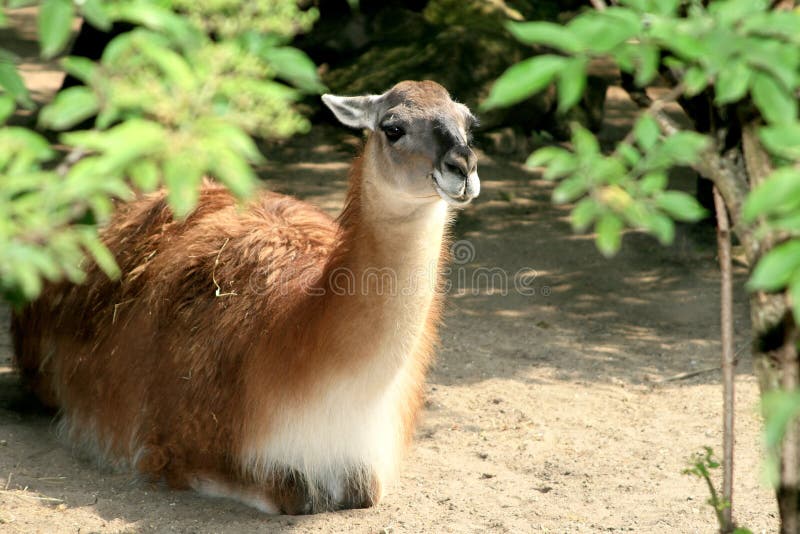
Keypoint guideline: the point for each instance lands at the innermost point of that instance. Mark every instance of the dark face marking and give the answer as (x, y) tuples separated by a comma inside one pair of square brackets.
[(448, 137)]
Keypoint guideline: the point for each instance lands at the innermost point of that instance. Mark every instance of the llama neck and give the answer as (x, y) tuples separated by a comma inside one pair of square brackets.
[(384, 240), (382, 281)]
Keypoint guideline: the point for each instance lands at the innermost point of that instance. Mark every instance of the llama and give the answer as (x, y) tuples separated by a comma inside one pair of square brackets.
[(255, 352)]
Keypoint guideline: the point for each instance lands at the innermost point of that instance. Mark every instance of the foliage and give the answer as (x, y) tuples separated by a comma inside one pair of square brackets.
[(700, 465), (175, 99), (780, 408), (738, 63), (739, 49)]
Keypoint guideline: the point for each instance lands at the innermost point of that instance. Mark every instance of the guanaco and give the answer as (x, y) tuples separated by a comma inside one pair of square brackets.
[(269, 353)]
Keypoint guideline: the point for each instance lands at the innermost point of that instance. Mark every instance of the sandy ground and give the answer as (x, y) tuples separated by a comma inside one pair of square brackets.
[(557, 410)]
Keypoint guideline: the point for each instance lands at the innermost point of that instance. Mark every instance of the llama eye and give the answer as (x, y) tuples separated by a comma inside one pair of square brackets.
[(393, 133)]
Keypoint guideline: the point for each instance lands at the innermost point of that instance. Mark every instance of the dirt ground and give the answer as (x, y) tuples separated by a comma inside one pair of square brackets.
[(559, 410)]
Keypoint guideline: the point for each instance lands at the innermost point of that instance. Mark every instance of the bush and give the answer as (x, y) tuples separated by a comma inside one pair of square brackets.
[(174, 99)]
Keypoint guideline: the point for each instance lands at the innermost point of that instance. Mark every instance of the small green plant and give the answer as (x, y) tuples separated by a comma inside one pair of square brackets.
[(700, 465)]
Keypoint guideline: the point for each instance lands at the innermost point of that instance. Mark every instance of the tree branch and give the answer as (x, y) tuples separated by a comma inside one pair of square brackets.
[(786, 5), (721, 170), (728, 357), (599, 5)]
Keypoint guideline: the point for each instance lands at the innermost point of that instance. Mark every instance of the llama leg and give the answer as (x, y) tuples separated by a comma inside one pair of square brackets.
[(292, 493), (286, 492), (361, 490), (251, 496)]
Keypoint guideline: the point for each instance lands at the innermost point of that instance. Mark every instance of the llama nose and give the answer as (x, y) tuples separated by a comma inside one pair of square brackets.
[(461, 161)]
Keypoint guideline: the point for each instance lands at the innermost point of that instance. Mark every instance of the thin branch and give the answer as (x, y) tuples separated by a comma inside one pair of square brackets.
[(651, 106), (69, 160), (785, 5), (599, 5), (721, 170), (728, 358), (688, 374)]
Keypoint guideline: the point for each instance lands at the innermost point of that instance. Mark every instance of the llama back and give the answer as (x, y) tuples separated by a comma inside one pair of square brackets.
[(165, 343)]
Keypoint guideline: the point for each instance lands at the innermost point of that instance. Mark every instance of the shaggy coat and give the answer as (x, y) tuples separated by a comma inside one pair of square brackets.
[(263, 352)]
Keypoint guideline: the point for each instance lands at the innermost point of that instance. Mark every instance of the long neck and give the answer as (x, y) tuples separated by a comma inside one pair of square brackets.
[(383, 236), (383, 279)]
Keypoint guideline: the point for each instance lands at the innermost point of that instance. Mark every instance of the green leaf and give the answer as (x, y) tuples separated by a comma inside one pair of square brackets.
[(609, 234), (159, 18), (782, 140), (571, 83), (80, 67), (682, 148), (646, 131), (100, 253), (788, 223), (44, 263), (522, 80), (732, 82), (779, 408), (584, 142), (131, 139), (570, 189), (695, 80), (54, 25), (776, 268), (647, 63), (144, 175), (733, 11), (294, 66), (774, 58), (681, 206), (69, 107), (561, 165), (665, 7), (28, 281), (660, 226), (12, 82), (182, 176), (234, 172), (607, 170), (776, 104), (546, 33), (780, 188), (652, 183), (545, 155), (584, 213), (7, 107), (175, 67), (778, 23), (689, 48), (629, 154), (96, 13), (602, 32)]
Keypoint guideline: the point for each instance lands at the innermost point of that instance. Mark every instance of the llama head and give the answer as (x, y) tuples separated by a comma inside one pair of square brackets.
[(419, 141)]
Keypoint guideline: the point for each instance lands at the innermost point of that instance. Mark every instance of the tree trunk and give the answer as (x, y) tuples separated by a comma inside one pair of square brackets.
[(775, 335), (775, 363)]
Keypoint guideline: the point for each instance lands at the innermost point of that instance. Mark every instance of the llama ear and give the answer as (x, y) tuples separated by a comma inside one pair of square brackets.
[(354, 111)]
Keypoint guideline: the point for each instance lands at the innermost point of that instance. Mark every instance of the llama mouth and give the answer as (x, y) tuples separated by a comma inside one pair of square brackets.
[(456, 202)]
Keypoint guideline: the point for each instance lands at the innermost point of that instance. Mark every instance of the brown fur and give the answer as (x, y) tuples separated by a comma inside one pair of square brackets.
[(218, 323)]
